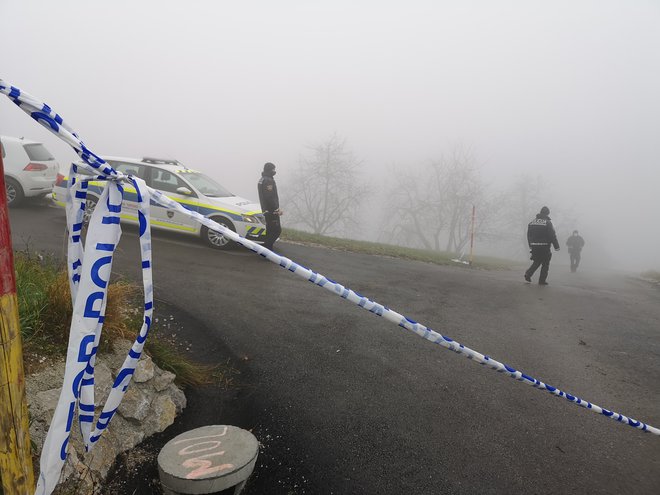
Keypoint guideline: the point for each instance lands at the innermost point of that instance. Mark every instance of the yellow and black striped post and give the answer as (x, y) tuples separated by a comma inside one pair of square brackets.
[(15, 458)]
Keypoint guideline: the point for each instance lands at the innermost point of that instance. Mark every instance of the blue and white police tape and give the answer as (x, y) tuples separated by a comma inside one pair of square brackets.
[(82, 348), (397, 318), (88, 277)]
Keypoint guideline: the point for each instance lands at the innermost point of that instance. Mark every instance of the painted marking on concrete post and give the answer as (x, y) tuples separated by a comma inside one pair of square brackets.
[(209, 446)]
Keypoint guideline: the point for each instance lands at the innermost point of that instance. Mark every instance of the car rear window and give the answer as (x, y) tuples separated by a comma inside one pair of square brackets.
[(38, 152)]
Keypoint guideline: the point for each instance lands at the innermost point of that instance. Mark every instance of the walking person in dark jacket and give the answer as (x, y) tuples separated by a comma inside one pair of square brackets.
[(270, 205), (540, 235), (575, 244)]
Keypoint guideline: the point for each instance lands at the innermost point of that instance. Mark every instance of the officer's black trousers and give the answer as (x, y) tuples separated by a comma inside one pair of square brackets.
[(575, 261), (273, 229), (541, 256)]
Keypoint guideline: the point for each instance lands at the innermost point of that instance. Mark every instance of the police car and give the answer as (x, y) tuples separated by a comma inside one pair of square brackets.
[(190, 188)]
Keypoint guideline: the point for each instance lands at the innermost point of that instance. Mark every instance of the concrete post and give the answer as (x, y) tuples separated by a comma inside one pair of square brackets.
[(207, 460)]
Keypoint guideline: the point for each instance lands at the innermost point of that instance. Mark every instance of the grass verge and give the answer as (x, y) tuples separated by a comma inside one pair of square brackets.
[(652, 275), (44, 304), (375, 248)]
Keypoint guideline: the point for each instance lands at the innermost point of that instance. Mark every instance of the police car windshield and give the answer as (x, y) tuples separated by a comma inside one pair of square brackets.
[(205, 184)]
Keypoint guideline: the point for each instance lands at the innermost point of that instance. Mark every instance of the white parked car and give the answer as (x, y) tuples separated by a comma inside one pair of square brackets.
[(30, 169), (190, 188)]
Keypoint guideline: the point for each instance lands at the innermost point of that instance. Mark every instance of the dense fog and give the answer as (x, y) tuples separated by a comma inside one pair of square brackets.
[(508, 106)]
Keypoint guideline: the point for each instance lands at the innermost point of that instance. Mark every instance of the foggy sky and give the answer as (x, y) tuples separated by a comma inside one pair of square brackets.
[(564, 89)]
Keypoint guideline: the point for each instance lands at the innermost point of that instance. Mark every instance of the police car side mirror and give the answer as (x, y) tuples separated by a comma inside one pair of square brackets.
[(184, 190)]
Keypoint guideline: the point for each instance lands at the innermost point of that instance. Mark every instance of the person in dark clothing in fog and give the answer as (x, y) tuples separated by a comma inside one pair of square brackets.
[(270, 205), (575, 244), (540, 235)]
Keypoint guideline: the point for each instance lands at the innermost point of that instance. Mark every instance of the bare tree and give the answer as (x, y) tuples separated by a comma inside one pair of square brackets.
[(432, 208), (325, 192), (414, 215), (458, 177)]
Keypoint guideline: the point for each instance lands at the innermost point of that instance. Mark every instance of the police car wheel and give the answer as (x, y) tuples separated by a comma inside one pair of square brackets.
[(215, 239)]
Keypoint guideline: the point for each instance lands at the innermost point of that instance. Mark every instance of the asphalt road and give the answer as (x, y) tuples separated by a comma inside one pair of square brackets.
[(350, 403)]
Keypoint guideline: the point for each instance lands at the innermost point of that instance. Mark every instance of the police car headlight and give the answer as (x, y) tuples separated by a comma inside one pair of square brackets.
[(250, 219)]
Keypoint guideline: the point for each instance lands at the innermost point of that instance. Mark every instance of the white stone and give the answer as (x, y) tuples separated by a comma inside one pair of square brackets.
[(135, 404), (164, 412), (178, 397), (163, 380), (144, 371)]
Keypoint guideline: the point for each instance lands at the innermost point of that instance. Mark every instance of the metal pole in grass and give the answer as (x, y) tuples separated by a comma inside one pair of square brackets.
[(15, 457), (472, 235)]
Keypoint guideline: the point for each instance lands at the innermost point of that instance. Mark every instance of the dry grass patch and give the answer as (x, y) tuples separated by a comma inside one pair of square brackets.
[(45, 312)]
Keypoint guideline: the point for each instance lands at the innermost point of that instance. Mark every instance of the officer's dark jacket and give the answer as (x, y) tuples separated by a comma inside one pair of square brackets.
[(575, 243), (268, 193), (540, 232)]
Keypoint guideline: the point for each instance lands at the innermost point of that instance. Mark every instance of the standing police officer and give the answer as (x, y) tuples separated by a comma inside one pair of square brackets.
[(540, 235), (575, 244), (270, 205)]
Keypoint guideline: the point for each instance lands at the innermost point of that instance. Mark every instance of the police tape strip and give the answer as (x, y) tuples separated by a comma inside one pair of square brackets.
[(89, 274), (403, 321), (89, 277)]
